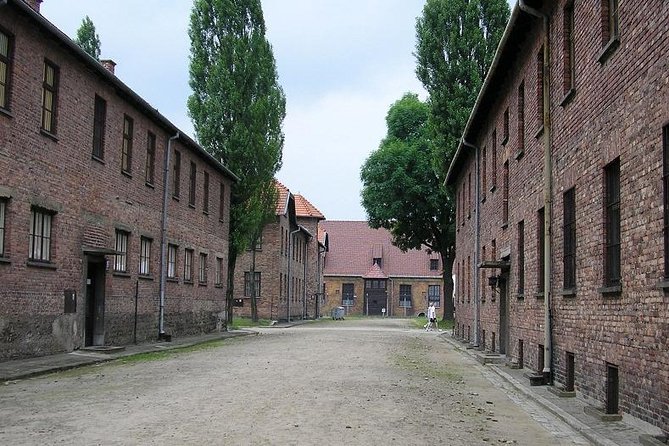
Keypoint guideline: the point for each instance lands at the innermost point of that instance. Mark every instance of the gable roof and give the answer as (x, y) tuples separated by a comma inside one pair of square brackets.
[(303, 208), (283, 196), (352, 245)]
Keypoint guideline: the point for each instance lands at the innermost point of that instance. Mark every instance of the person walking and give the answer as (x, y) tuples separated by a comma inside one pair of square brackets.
[(431, 318)]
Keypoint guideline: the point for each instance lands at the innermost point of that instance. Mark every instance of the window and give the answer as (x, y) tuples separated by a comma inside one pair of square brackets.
[(347, 294), (521, 258), (434, 295), (483, 276), (203, 268), (126, 152), (469, 279), (247, 284), (5, 68), (665, 182), (434, 264), (176, 174), (188, 265), (569, 240), (145, 256), (172, 261), (612, 225), (150, 158), (521, 119), (609, 21), (193, 184), (40, 235), (505, 134), (99, 123), (469, 196), (493, 164), (281, 229), (376, 261), (205, 197), (484, 172), (540, 250), (121, 257), (505, 194), (219, 271), (3, 207), (568, 62), (49, 97), (221, 203), (540, 88), (405, 296)]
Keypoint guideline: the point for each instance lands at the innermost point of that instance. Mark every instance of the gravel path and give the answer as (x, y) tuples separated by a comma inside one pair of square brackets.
[(363, 382)]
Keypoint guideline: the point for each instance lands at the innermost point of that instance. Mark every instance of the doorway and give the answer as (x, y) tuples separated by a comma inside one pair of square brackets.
[(376, 297), (95, 301), (503, 313)]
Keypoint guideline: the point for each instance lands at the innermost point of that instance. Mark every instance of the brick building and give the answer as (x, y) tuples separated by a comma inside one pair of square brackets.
[(562, 187), (288, 263), (365, 273), (88, 169)]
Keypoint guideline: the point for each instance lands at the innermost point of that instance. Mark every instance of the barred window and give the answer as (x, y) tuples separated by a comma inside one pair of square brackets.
[(3, 207), (193, 184), (568, 51), (172, 261), (521, 257), (176, 174), (188, 265), (505, 193), (40, 235), (219, 271), (99, 124), (203, 269), (150, 158), (205, 196), (405, 296), (126, 150), (569, 243), (5, 68), (145, 256), (347, 296), (612, 225), (49, 97), (121, 257), (540, 87), (665, 182), (521, 117), (247, 284), (540, 250), (493, 164), (434, 295)]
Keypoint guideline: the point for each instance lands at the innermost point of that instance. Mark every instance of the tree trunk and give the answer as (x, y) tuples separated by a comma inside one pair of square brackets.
[(449, 304), (229, 293)]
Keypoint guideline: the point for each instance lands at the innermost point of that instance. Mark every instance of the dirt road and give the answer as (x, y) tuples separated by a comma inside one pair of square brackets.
[(370, 382)]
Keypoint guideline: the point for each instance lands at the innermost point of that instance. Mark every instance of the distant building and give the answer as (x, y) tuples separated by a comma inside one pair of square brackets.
[(101, 197), (562, 186), (367, 275), (288, 263)]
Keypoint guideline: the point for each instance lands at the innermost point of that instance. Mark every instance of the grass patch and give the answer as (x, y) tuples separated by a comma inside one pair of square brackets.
[(419, 322), (246, 322)]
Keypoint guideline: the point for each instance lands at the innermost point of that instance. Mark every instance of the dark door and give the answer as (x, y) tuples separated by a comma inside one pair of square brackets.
[(95, 302), (503, 314), (375, 297)]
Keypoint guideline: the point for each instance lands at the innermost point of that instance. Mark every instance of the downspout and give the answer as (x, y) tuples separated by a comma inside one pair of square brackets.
[(304, 282), (163, 236), (290, 279), (548, 189), (477, 244), (318, 280)]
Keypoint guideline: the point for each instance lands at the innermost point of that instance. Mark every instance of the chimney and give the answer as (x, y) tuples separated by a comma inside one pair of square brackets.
[(109, 65), (34, 4)]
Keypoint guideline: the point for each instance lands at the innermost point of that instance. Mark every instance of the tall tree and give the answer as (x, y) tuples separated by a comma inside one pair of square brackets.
[(88, 39), (237, 108), (401, 191)]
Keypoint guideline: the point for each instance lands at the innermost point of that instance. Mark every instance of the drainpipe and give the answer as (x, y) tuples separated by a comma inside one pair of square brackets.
[(290, 279), (548, 189), (163, 236), (319, 291), (304, 282), (477, 244)]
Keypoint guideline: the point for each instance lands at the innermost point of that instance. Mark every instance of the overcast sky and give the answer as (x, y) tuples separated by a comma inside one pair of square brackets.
[(341, 63)]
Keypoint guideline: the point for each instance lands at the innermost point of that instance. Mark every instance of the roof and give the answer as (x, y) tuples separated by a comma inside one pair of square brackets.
[(352, 245), (303, 208), (122, 89), (283, 196), (374, 272), (508, 51)]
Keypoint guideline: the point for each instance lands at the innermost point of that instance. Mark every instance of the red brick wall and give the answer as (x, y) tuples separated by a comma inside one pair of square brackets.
[(91, 200), (618, 109)]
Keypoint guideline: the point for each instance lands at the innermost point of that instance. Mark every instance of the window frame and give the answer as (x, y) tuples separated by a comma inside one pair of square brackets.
[(40, 252), (569, 240), (49, 113), (406, 298), (121, 256), (176, 175), (612, 225), (493, 164), (172, 260), (665, 184), (192, 184), (541, 250), (126, 144), (150, 169), (99, 127), (145, 255), (218, 280), (521, 258), (202, 268), (188, 265), (434, 264), (247, 284), (347, 294), (505, 194), (205, 193), (8, 62), (568, 49), (3, 219), (431, 294)]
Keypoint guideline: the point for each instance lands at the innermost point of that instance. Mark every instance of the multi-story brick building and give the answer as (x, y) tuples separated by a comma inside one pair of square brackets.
[(288, 263), (113, 224), (366, 274), (562, 187)]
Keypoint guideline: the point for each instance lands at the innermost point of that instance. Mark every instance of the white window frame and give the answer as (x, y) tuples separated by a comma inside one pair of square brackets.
[(121, 246), (145, 256), (202, 276), (172, 252), (188, 265), (40, 235), (3, 211)]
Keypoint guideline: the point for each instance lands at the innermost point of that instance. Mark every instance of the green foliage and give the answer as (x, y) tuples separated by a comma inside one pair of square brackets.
[(237, 108), (456, 42), (88, 39)]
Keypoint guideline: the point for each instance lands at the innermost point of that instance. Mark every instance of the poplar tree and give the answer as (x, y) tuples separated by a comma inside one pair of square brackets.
[(88, 39), (237, 108)]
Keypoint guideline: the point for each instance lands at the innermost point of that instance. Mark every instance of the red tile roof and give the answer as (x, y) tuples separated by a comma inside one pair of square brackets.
[(282, 199), (374, 272), (303, 208), (353, 244)]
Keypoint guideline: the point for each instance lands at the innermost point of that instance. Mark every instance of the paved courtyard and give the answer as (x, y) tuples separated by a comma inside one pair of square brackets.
[(364, 382)]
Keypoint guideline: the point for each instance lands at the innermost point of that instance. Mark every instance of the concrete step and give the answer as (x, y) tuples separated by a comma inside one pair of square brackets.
[(103, 349)]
